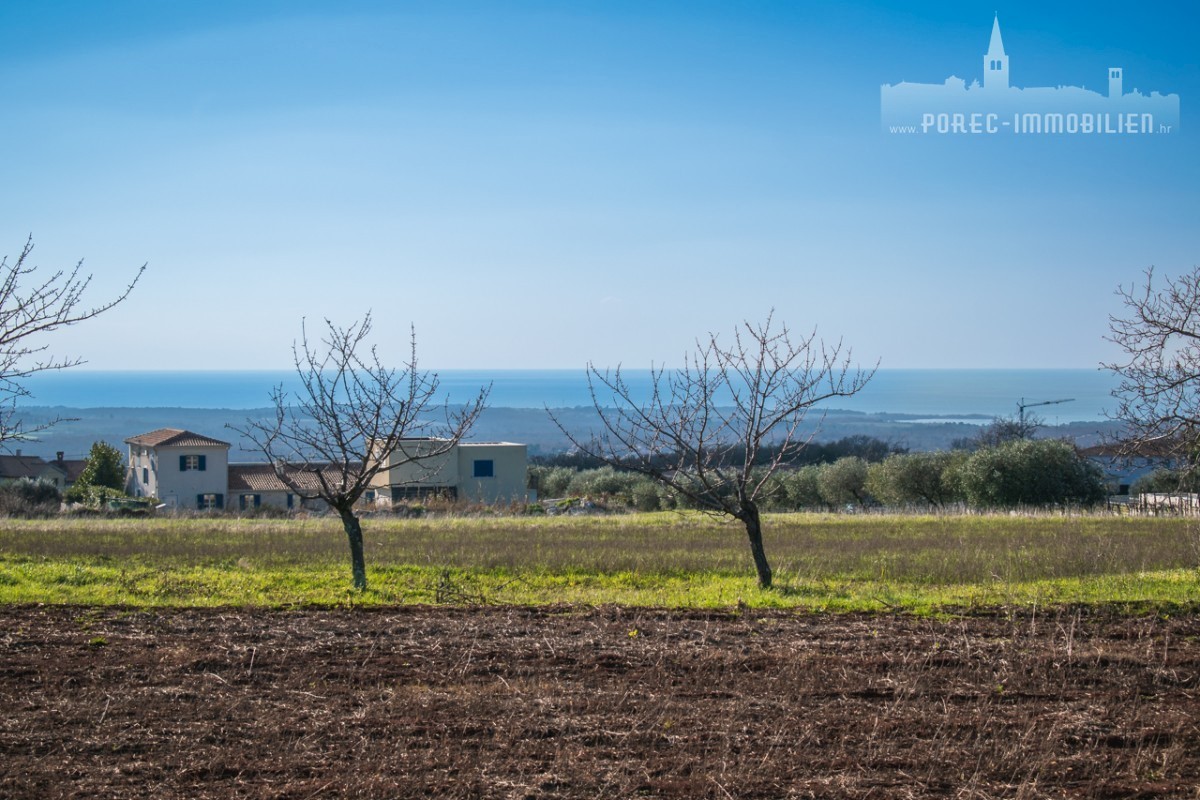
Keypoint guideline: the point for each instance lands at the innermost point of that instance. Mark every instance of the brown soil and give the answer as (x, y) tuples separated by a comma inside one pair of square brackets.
[(509, 702)]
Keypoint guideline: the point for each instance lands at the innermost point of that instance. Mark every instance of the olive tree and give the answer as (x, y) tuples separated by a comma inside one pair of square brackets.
[(904, 479), (1031, 472), (347, 421), (32, 305), (1158, 394), (844, 482), (703, 428)]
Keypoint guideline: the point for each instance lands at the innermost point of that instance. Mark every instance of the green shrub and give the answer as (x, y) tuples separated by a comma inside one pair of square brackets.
[(917, 479), (92, 496), (803, 487), (1032, 472), (550, 481), (645, 495), (1166, 481), (844, 482), (26, 497)]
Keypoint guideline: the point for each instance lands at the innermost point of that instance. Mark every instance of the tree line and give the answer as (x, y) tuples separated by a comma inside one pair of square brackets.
[(1017, 473)]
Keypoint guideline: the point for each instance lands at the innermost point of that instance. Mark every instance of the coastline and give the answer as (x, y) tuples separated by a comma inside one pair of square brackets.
[(1080, 395), (531, 426)]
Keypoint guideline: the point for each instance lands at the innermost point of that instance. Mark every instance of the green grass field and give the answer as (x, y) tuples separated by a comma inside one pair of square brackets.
[(924, 564)]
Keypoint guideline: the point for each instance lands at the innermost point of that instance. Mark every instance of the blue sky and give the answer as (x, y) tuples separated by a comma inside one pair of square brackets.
[(544, 184)]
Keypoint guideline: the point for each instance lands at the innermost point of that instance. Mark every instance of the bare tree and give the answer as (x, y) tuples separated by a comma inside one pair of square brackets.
[(1004, 429), (1158, 397), (30, 306), (349, 416), (703, 428)]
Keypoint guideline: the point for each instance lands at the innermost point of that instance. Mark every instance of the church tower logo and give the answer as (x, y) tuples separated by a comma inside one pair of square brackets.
[(998, 107)]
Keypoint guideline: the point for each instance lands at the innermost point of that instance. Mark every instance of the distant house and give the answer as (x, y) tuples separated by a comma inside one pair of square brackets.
[(256, 485), (17, 466), (188, 470), (72, 467), (1122, 469), (181, 468), (480, 472)]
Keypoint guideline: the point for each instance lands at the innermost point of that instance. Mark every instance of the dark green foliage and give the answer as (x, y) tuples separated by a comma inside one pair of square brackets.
[(1029, 472), (916, 479), (803, 487), (868, 448), (26, 497), (102, 479), (550, 481), (844, 482), (105, 467), (1000, 430), (1167, 481), (1033, 472), (94, 496)]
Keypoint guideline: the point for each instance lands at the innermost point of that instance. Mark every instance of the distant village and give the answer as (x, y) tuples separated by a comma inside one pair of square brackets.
[(186, 470)]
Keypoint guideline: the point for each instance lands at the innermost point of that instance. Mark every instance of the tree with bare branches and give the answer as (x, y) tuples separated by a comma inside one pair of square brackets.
[(1158, 397), (31, 306), (347, 419), (704, 429)]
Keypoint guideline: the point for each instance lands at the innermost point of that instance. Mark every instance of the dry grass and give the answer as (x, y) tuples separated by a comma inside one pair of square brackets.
[(822, 561)]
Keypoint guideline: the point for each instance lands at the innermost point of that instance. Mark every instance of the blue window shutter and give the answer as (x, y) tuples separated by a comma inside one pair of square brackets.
[(257, 500), (203, 463), (220, 498), (183, 463), (199, 501)]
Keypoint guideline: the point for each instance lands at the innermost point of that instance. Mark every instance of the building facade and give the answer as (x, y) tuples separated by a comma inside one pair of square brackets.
[(182, 469), (477, 472)]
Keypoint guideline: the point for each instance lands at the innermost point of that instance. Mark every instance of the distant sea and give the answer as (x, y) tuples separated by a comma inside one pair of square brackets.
[(950, 393)]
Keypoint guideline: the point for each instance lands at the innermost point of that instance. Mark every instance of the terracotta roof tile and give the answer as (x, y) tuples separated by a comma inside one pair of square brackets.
[(175, 437), (262, 478)]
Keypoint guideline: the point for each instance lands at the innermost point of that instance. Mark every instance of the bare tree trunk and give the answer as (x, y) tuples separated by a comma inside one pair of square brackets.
[(355, 538), (750, 519)]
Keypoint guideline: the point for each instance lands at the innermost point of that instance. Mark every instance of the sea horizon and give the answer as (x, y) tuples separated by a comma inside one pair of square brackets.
[(1055, 395)]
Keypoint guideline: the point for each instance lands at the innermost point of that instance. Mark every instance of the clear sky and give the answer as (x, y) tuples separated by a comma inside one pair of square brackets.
[(542, 184)]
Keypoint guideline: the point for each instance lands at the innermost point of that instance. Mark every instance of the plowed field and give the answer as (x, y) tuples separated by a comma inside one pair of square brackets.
[(587, 703)]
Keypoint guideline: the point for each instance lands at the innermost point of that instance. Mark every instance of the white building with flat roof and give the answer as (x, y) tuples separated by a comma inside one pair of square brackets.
[(478, 472)]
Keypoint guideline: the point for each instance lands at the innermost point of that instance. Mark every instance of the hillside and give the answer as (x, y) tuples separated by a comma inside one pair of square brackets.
[(531, 426)]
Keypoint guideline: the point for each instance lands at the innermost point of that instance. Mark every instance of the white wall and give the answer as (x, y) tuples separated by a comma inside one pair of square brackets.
[(179, 488), (507, 483), (457, 469)]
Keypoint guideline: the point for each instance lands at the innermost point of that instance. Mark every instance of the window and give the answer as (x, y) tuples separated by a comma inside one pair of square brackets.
[(208, 502), (485, 468), (196, 463), (145, 475), (249, 501)]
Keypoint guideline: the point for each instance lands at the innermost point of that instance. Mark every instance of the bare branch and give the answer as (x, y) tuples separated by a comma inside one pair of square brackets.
[(1158, 396), (29, 308), (703, 428), (350, 417)]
